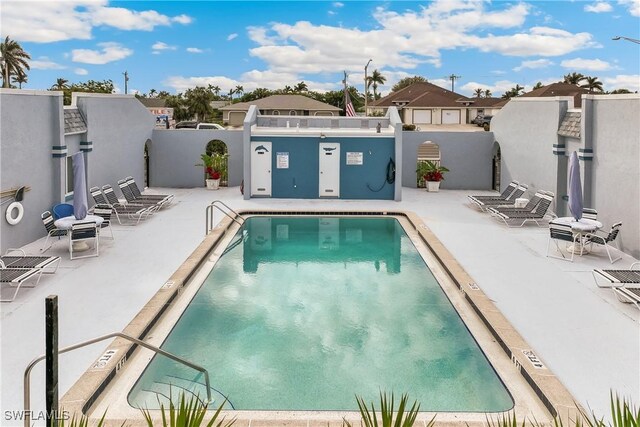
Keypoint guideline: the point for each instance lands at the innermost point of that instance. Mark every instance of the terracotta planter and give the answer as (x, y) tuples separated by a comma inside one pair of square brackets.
[(433, 186), (213, 184)]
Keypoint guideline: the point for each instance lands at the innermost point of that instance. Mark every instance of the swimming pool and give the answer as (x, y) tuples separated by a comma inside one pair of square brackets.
[(301, 313), (115, 380)]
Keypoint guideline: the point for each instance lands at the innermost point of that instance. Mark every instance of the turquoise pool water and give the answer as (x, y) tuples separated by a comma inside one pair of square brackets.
[(303, 313)]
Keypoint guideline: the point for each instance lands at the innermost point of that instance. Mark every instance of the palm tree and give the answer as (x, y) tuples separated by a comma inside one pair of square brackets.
[(239, 90), (287, 89), (301, 87), (61, 84), (574, 78), (538, 85), (20, 78), (198, 102), (152, 93), (215, 89), (593, 84), (15, 60), (487, 93), (478, 93), (374, 80), (513, 92), (231, 92)]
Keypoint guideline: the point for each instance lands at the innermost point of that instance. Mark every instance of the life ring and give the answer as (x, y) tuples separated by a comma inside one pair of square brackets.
[(11, 219)]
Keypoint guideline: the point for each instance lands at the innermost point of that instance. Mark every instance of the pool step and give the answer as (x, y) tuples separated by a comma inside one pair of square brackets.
[(171, 386)]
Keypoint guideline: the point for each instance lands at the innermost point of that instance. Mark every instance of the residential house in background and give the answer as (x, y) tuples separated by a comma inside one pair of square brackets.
[(278, 105), (426, 104), (485, 107), (559, 89)]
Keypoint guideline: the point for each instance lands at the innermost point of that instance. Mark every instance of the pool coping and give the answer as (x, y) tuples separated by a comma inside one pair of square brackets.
[(553, 395)]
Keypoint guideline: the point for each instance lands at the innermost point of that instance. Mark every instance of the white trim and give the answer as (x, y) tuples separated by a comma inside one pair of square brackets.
[(30, 92)]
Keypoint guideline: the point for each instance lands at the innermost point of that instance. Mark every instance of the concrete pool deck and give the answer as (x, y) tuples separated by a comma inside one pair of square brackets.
[(582, 333)]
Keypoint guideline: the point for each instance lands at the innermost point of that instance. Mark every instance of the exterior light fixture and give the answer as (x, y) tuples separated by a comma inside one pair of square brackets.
[(636, 41)]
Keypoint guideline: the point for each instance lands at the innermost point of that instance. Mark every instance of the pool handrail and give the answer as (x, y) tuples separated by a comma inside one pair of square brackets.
[(209, 214), (30, 366)]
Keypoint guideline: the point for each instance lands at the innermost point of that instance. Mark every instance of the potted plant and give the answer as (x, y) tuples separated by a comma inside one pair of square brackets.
[(432, 173), (212, 175)]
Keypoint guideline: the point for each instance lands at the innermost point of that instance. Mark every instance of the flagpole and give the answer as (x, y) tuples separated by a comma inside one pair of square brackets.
[(344, 81)]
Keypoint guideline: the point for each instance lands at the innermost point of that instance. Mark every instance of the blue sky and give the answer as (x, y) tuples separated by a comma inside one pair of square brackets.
[(174, 45)]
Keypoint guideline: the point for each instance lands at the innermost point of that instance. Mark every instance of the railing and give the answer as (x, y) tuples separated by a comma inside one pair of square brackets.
[(218, 204), (34, 362)]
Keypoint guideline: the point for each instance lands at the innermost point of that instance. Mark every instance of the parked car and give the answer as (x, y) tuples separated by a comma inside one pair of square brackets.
[(485, 122), (209, 126), (186, 125)]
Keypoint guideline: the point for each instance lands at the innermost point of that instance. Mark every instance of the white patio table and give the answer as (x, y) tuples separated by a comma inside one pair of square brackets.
[(579, 229), (66, 222)]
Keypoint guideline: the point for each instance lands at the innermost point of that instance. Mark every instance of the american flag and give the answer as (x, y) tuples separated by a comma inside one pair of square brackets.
[(350, 112)]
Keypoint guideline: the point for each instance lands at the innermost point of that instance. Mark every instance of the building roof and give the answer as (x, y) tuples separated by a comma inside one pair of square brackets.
[(488, 102), (283, 102), (559, 89), (422, 94), (73, 121), (570, 125), (153, 102)]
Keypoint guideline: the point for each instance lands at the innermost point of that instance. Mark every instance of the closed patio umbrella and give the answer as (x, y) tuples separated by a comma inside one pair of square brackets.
[(575, 187), (80, 204)]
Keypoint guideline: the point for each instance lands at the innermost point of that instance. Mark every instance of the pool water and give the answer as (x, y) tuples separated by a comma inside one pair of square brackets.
[(304, 313)]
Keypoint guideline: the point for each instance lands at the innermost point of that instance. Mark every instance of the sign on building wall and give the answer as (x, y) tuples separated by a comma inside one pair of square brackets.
[(354, 158), (282, 160)]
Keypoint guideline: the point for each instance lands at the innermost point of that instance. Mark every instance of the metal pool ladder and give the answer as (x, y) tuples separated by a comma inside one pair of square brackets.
[(34, 362), (225, 209)]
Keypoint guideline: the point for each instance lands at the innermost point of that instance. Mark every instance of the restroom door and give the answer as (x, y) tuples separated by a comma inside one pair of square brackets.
[(260, 168), (329, 169)]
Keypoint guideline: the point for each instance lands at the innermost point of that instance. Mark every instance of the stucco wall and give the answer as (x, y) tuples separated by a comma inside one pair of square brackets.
[(173, 154), (118, 126), (616, 166), (527, 129), (30, 125), (468, 156)]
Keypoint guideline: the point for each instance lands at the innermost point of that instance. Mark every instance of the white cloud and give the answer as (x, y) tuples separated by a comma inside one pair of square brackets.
[(182, 19), (110, 52), (44, 63), (598, 7), (338, 4), (538, 63), (409, 39), (194, 50), (586, 64), (497, 89), (632, 5), (81, 71), (232, 36), (622, 81), (544, 41), (250, 80), (52, 21), (158, 46)]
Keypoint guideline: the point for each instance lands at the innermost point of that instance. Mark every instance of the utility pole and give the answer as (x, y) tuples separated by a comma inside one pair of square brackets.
[(366, 87), (126, 80), (453, 79)]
